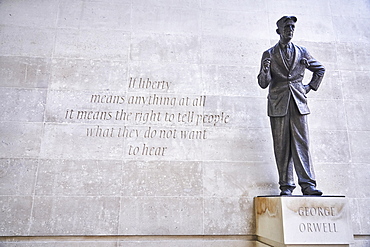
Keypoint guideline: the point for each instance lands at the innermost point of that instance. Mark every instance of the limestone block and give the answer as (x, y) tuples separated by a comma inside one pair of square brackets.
[(361, 225), (95, 107), (350, 29), (323, 52), (324, 111), (303, 221), (359, 145), (355, 86), (173, 48), (240, 5), (237, 179), (181, 78), (194, 242), (333, 182), (330, 88), (347, 9), (40, 14), (362, 55), (73, 141), (15, 215), (315, 29), (232, 243), (358, 187), (161, 216), (307, 28), (78, 178), (20, 140), (61, 243), (316, 8), (92, 44), (95, 15), (242, 112), (26, 41), (174, 178), (25, 105), (161, 243), (234, 24), (164, 143), (236, 215), (17, 177), (244, 145), (172, 3), (67, 215), (232, 50), (166, 19), (347, 60), (78, 74), (231, 80), (326, 146), (357, 115), (24, 72)]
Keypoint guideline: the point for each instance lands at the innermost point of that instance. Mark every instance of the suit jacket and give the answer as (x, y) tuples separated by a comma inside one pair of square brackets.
[(286, 82)]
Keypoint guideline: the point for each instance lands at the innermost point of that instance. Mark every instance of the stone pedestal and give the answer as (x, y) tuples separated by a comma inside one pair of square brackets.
[(303, 221)]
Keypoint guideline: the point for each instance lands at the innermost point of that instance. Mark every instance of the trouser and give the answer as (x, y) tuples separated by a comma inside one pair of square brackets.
[(291, 147)]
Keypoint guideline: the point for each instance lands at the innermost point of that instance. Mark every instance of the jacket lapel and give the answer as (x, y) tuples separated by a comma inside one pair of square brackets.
[(279, 57), (297, 55)]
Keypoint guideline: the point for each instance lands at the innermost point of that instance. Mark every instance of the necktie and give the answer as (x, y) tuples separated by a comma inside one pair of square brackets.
[(287, 51)]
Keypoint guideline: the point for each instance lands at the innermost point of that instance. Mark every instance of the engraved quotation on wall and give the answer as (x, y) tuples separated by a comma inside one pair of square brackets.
[(147, 112)]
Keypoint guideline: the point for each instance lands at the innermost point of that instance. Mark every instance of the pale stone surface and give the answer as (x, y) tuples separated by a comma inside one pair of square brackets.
[(25, 105), (71, 43), (222, 179), (26, 41), (238, 211), (162, 178), (24, 72), (249, 145), (69, 215), (78, 178), (94, 14), (71, 142), (320, 121), (20, 140), (232, 80), (79, 74), (24, 13), (80, 174), (165, 19), (327, 146), (173, 48), (17, 176), (289, 221), (359, 141), (161, 216), (227, 23), (15, 215), (182, 78), (232, 50)]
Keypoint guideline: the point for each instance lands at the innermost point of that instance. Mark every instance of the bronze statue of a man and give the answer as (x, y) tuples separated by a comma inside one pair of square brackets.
[(282, 69)]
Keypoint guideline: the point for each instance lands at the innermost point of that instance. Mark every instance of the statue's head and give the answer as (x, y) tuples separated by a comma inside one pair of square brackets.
[(286, 26)]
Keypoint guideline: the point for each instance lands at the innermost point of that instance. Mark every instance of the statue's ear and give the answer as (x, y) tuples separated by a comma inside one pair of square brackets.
[(277, 31)]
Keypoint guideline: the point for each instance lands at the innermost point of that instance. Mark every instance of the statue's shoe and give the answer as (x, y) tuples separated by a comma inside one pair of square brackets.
[(311, 191)]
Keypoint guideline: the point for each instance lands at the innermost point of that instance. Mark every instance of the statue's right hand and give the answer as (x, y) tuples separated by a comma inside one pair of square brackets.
[(266, 64)]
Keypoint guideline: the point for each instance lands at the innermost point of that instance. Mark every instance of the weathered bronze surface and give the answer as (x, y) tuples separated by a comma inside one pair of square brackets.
[(282, 70)]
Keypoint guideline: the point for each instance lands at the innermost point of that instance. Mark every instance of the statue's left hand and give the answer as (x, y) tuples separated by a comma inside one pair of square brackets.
[(307, 88)]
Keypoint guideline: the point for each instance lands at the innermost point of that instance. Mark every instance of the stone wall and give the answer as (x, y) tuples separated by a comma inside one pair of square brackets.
[(141, 123)]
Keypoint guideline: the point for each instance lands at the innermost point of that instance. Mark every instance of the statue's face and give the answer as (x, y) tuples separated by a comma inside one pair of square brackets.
[(287, 30)]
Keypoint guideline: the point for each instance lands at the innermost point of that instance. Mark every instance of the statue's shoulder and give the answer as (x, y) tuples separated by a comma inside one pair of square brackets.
[(271, 50), (301, 48)]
